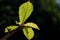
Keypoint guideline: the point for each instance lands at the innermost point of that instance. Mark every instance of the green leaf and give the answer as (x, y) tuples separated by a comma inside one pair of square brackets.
[(33, 25), (29, 33), (25, 11), (10, 28), (16, 22)]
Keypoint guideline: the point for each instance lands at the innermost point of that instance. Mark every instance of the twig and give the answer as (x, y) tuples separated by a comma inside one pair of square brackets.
[(10, 34)]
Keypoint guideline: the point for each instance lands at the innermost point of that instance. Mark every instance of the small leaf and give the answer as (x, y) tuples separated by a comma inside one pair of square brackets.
[(29, 33), (16, 22), (33, 25), (10, 28), (25, 11)]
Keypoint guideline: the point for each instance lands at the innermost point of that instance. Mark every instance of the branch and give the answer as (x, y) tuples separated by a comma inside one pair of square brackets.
[(11, 33)]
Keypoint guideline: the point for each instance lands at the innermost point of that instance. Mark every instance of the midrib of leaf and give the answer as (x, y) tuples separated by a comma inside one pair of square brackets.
[(27, 32), (25, 13), (24, 16)]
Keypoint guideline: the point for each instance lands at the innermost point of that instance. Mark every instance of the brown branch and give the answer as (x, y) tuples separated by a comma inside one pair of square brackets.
[(11, 33)]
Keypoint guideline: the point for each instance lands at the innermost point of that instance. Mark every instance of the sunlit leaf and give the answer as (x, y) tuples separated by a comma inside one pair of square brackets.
[(25, 11), (33, 25), (10, 28), (29, 33)]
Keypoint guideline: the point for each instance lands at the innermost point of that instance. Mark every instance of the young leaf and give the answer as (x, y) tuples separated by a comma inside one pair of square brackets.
[(10, 28), (29, 33), (25, 11), (33, 25), (16, 22)]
